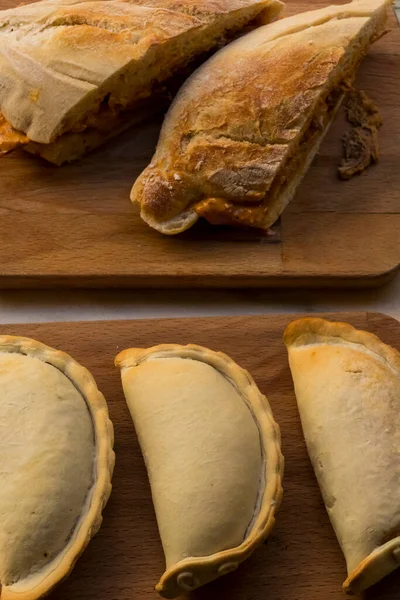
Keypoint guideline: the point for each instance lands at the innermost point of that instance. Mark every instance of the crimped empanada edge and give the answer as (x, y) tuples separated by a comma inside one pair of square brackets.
[(306, 331), (312, 330), (379, 563), (193, 572), (84, 382)]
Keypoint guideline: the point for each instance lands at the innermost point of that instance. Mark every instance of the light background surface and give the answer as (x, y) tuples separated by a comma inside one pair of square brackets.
[(80, 305)]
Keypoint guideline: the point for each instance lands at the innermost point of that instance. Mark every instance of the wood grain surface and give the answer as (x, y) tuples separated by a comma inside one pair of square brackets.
[(75, 225), (300, 561)]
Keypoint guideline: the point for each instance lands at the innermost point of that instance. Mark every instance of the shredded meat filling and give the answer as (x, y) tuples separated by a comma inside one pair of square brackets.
[(360, 144), (10, 138)]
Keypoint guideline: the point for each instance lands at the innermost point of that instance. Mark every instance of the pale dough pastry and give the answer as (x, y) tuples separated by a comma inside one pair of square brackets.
[(347, 385), (212, 451), (56, 463)]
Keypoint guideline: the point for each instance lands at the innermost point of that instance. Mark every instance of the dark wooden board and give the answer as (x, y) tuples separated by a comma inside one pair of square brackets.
[(75, 225), (301, 560)]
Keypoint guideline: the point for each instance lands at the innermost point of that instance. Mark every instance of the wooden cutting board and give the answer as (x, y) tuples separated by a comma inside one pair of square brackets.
[(301, 560), (75, 225)]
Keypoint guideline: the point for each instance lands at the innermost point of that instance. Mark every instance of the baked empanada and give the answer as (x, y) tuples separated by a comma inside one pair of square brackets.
[(56, 463), (212, 451), (347, 385), (245, 127)]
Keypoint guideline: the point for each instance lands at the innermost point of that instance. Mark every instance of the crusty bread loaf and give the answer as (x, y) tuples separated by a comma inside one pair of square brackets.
[(61, 61), (245, 126)]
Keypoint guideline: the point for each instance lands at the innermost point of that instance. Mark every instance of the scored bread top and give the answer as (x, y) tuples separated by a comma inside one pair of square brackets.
[(60, 58)]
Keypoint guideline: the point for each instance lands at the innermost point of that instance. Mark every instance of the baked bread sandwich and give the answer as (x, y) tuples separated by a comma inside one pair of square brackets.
[(347, 385), (56, 464), (244, 128), (73, 73), (213, 456)]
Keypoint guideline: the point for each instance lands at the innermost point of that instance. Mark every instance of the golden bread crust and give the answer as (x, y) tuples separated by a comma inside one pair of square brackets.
[(309, 330), (241, 118), (59, 59)]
